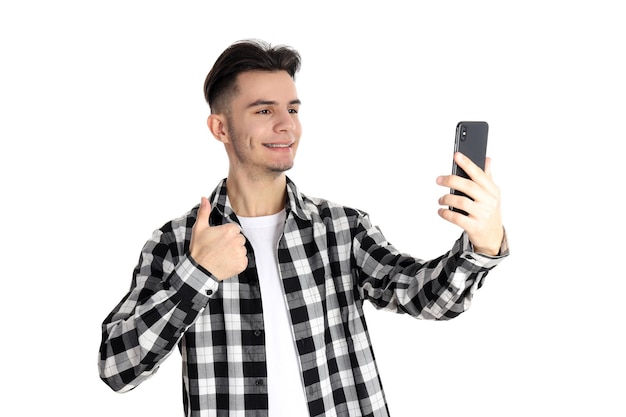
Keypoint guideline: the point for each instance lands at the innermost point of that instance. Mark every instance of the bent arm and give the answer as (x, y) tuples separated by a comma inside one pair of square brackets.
[(167, 294), (439, 289)]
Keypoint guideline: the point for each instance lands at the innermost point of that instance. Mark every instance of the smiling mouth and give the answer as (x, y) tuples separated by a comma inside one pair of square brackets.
[(277, 145)]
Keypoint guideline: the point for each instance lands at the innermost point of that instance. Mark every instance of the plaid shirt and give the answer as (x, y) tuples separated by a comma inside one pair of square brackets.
[(330, 258)]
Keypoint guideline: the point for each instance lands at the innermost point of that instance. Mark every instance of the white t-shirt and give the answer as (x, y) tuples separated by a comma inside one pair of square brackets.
[(284, 381)]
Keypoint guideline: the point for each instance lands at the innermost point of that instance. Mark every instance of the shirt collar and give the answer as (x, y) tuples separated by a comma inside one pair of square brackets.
[(221, 208)]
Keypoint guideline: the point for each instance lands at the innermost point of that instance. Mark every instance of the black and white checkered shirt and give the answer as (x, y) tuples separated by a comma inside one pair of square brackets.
[(331, 259)]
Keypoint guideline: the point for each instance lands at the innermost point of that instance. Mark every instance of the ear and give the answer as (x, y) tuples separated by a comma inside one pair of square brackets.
[(217, 126)]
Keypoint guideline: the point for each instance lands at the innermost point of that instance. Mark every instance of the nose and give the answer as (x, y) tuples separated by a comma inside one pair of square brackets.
[(285, 121)]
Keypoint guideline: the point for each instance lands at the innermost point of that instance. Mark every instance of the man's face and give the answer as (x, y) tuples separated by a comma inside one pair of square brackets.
[(263, 126)]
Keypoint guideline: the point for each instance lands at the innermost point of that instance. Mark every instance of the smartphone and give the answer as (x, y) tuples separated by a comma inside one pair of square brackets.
[(471, 141)]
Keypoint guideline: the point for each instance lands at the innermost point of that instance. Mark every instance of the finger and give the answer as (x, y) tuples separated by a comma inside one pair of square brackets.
[(457, 201), (231, 230), (467, 164), (480, 177), (469, 208), (203, 212), (454, 182), (488, 166), (454, 217)]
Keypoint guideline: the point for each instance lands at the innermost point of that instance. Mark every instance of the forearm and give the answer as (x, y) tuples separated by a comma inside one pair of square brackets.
[(146, 326), (439, 289), (451, 281)]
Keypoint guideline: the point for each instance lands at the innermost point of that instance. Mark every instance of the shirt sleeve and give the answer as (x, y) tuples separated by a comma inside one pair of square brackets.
[(167, 294), (439, 289)]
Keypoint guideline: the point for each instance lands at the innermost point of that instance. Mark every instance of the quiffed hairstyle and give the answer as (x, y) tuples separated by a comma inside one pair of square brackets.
[(242, 56)]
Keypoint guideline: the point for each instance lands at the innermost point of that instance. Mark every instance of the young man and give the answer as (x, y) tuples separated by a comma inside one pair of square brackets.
[(262, 288)]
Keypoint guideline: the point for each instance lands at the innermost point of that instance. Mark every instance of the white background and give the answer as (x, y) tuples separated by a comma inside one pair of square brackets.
[(103, 135)]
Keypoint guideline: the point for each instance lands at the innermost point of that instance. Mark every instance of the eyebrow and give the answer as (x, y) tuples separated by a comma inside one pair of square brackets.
[(271, 103)]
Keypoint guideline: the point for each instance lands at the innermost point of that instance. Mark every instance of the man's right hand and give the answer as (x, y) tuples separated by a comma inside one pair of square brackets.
[(221, 249)]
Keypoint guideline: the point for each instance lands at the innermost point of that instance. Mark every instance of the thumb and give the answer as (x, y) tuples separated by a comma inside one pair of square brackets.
[(488, 166), (203, 212)]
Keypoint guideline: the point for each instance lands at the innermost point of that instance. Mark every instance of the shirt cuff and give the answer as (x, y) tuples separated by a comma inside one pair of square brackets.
[(482, 260), (191, 277)]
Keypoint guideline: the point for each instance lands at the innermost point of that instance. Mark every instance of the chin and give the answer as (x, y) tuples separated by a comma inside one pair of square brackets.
[(280, 168), (278, 171)]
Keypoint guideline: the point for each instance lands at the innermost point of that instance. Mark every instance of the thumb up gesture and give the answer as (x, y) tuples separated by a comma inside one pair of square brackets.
[(221, 249)]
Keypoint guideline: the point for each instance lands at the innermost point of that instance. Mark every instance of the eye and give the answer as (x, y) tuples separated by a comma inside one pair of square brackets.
[(264, 111), (293, 111)]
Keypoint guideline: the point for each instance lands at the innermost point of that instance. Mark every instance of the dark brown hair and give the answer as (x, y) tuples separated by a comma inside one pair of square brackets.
[(242, 56)]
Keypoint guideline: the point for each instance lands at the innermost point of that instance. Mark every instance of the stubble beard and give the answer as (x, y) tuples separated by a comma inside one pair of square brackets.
[(254, 170)]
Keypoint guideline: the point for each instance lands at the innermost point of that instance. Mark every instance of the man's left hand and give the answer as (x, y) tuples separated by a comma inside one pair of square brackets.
[(483, 223)]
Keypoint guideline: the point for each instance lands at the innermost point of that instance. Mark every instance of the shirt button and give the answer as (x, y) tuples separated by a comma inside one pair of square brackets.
[(257, 333), (209, 292), (258, 382)]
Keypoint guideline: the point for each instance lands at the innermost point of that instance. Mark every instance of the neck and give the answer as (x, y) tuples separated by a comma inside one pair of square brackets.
[(257, 197)]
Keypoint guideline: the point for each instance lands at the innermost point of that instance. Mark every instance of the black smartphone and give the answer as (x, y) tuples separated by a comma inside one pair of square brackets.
[(471, 141)]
